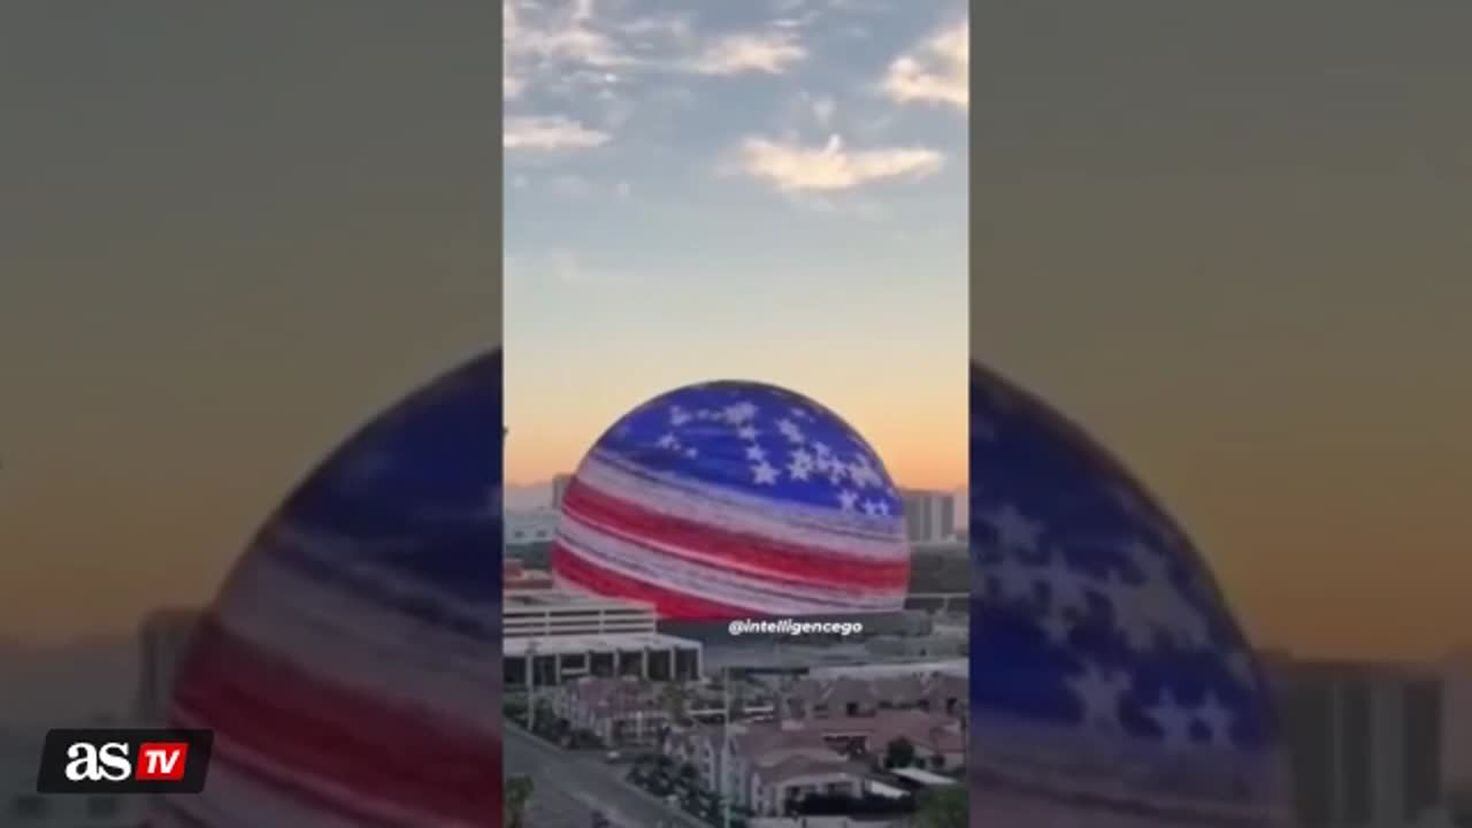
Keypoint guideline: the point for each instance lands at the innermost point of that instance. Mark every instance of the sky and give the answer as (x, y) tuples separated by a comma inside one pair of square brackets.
[(770, 191), (1231, 240), (228, 236)]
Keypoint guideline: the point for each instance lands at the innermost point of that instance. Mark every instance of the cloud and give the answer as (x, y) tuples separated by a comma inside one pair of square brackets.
[(936, 72), (738, 54), (793, 168), (567, 35), (568, 269), (824, 110), (550, 133), (569, 49)]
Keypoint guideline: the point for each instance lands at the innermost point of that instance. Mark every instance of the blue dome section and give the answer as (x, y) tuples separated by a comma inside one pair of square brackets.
[(758, 440), (1096, 627), (414, 494)]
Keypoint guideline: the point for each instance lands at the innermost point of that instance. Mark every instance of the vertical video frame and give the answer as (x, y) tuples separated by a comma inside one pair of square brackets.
[(735, 576)]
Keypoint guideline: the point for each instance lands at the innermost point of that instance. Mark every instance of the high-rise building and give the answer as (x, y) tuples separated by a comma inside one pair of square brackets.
[(161, 641), (1364, 741), (930, 516), (1456, 749), (560, 482)]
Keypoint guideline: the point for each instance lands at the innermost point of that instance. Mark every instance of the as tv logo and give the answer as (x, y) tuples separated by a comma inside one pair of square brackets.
[(124, 761)]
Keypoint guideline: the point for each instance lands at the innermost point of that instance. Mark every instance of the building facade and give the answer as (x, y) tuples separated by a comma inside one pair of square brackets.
[(551, 636), (1364, 741), (930, 516), (528, 526)]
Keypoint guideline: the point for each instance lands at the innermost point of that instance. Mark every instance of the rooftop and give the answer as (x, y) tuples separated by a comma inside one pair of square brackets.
[(558, 599), (608, 642), (958, 667), (923, 777)]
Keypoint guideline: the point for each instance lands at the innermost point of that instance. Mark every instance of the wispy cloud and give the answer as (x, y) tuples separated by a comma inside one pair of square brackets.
[(737, 54), (555, 43), (569, 269), (794, 168), (568, 33), (550, 133), (936, 72)]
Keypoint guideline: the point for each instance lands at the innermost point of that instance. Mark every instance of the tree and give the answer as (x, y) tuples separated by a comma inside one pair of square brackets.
[(946, 807), (899, 753), (518, 794)]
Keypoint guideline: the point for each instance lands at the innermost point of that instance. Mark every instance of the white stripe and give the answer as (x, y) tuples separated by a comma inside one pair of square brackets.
[(233, 798), (579, 526), (873, 538), (712, 584), (339, 636)]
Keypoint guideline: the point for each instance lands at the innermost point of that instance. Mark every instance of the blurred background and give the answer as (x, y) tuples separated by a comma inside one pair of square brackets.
[(229, 235), (1229, 240)]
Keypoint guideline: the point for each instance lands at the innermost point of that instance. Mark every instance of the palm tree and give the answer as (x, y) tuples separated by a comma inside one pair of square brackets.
[(518, 794)]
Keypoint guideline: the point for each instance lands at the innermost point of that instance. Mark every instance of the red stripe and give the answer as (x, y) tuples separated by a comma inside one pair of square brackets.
[(316, 728), (796, 565), (668, 603)]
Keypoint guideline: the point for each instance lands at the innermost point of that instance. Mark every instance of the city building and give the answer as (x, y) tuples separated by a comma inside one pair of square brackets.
[(621, 712), (857, 695), (780, 785), (162, 637), (930, 516), (768, 765), (551, 636), (1364, 740), (560, 482), (528, 526), (516, 576), (1456, 672)]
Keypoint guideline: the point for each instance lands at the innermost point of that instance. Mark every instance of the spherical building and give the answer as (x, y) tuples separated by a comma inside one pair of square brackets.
[(734, 499), (348, 666), (1110, 683)]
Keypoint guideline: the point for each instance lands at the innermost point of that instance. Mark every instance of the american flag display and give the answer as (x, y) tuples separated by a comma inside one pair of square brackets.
[(350, 665), (1110, 684), (734, 499)]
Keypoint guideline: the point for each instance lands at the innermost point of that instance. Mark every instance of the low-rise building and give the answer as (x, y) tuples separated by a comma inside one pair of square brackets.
[(621, 712), (779, 786), (516, 577), (550, 636), (757, 763), (849, 695)]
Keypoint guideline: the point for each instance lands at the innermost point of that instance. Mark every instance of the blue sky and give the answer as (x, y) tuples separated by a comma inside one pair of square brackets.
[(772, 190)]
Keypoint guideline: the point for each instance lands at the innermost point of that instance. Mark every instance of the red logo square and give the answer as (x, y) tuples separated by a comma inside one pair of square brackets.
[(161, 761)]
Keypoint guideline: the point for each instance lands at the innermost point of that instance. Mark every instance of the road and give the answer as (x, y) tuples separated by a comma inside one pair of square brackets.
[(570, 786)]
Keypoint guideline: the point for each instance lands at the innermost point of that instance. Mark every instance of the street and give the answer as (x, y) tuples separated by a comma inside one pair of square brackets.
[(569, 787)]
